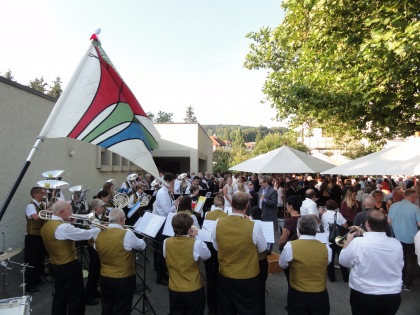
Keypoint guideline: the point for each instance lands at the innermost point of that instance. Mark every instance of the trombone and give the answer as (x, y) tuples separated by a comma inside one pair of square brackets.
[(87, 221)]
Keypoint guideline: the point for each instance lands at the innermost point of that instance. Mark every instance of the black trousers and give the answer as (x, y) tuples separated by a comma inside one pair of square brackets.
[(69, 289), (212, 271), (35, 257), (117, 295), (94, 273), (369, 304), (331, 269), (409, 263), (238, 296), (159, 260), (187, 303), (263, 278), (308, 303)]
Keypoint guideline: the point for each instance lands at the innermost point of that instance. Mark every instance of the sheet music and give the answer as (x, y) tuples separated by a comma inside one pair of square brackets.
[(149, 224), (168, 230), (133, 209), (322, 237), (209, 225), (199, 206), (204, 235), (268, 230)]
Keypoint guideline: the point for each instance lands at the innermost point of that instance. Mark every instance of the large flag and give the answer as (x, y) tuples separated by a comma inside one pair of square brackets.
[(99, 108)]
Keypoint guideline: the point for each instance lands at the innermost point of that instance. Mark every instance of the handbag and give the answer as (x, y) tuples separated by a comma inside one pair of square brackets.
[(335, 230)]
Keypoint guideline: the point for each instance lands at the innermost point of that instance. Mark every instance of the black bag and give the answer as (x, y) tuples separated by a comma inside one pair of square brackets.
[(335, 230)]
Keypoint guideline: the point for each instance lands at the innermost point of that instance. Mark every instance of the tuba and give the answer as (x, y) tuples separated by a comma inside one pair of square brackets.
[(52, 188)]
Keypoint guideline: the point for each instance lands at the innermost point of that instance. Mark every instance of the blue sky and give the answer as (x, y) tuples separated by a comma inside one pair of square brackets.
[(172, 54)]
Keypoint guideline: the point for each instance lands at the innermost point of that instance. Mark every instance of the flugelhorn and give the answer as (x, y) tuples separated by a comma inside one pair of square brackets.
[(87, 221), (339, 240)]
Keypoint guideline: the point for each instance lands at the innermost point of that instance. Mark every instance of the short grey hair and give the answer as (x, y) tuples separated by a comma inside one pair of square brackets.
[(368, 201), (58, 206), (307, 225), (115, 215), (96, 203)]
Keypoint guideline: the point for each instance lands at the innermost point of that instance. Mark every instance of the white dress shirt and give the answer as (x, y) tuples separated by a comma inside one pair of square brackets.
[(30, 208), (308, 207), (163, 204), (287, 253), (131, 241), (200, 250), (376, 263), (417, 245), (257, 235), (328, 217), (67, 231)]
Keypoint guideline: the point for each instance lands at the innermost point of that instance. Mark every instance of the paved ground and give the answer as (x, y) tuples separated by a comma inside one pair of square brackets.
[(158, 294)]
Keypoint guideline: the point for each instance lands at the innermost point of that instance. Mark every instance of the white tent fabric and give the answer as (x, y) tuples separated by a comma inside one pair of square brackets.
[(283, 160), (401, 159), (339, 159), (323, 157)]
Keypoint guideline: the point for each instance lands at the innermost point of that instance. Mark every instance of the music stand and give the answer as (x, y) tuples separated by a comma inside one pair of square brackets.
[(147, 226)]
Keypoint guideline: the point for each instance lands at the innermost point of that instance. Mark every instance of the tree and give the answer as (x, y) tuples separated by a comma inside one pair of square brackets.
[(55, 90), (8, 75), (38, 84), (163, 117), (274, 141), (221, 159), (189, 115), (150, 115), (346, 66), (239, 141)]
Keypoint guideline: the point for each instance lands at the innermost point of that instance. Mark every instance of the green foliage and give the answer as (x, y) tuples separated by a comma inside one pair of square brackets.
[(55, 90), (275, 141), (150, 115), (9, 75), (350, 67), (189, 115), (238, 154), (228, 132), (38, 84), (221, 160), (239, 141), (163, 117)]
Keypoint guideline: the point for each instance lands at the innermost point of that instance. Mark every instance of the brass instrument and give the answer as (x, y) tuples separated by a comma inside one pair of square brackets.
[(87, 221), (339, 240), (120, 200), (145, 199), (52, 187)]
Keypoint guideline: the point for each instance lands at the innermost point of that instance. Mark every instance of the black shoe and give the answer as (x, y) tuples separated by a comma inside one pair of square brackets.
[(162, 282), (91, 302), (32, 291)]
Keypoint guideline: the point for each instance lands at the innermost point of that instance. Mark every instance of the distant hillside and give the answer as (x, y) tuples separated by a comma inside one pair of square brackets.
[(251, 134)]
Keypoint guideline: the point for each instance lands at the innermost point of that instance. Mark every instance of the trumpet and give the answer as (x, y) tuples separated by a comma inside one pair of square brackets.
[(47, 215), (339, 240)]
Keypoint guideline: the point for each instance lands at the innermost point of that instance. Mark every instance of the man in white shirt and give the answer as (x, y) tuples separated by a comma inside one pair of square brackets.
[(376, 263), (309, 206)]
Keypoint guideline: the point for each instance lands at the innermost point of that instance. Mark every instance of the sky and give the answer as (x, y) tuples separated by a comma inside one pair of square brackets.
[(171, 53)]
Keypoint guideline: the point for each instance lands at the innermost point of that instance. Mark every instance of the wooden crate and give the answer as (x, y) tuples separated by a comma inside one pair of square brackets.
[(273, 263)]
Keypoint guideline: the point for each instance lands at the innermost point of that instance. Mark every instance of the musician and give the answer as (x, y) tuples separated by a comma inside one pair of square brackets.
[(212, 264), (137, 196), (163, 205), (307, 260), (34, 247), (58, 237), (375, 261), (186, 290), (115, 247), (109, 188), (97, 210), (238, 242), (185, 206), (129, 185)]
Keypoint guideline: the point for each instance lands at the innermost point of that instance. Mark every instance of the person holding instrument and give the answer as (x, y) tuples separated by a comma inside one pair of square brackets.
[(115, 247), (58, 237), (186, 290), (375, 261)]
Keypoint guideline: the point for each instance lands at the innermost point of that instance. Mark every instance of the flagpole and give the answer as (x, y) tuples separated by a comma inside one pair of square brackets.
[(20, 177)]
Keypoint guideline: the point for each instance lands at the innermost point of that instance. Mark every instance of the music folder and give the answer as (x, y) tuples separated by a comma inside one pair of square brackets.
[(149, 224), (168, 230), (268, 230)]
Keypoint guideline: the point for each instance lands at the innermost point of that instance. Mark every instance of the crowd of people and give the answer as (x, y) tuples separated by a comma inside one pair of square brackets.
[(381, 215)]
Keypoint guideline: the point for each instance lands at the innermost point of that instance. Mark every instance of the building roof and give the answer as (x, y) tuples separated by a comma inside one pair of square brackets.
[(216, 142)]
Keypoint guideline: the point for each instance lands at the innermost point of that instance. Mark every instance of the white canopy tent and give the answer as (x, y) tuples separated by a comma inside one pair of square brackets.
[(323, 157), (400, 159), (283, 160)]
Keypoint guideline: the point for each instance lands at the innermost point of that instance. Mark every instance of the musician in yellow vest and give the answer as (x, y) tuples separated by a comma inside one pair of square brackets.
[(182, 252), (115, 247), (238, 241), (34, 247), (212, 264), (59, 236), (307, 260)]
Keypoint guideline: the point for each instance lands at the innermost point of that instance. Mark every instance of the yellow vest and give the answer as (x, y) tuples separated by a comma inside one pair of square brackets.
[(60, 251), (184, 273), (215, 214), (308, 269), (33, 227), (116, 262), (238, 256)]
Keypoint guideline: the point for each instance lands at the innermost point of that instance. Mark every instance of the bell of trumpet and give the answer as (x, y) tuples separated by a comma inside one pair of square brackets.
[(339, 240)]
